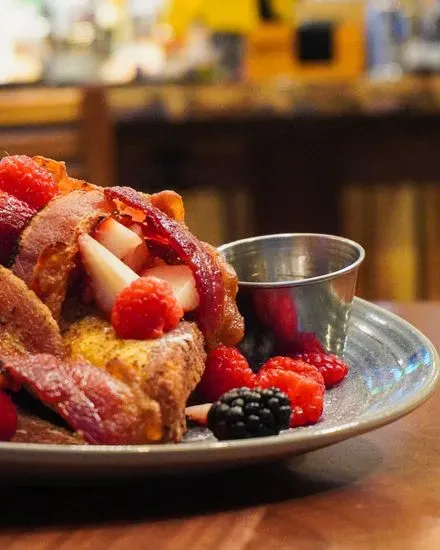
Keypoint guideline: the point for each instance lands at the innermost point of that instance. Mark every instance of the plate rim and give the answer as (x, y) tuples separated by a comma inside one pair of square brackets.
[(192, 451)]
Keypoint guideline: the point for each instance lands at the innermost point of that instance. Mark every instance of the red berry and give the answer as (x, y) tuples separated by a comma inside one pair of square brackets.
[(307, 342), (8, 417), (306, 395), (295, 365), (25, 179), (331, 367), (226, 369), (14, 215), (277, 310), (6, 383), (145, 309)]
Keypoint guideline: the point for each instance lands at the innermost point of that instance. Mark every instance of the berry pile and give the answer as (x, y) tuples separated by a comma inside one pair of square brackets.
[(243, 413), (303, 379)]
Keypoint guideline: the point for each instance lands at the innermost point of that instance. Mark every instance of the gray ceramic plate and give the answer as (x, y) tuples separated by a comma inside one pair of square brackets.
[(394, 369)]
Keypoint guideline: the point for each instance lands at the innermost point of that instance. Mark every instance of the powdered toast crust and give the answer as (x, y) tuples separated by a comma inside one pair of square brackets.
[(168, 368)]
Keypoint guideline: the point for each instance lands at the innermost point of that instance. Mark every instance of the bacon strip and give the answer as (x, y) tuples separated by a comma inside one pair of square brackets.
[(48, 246), (66, 184), (233, 323), (56, 223), (170, 203), (98, 406), (209, 281)]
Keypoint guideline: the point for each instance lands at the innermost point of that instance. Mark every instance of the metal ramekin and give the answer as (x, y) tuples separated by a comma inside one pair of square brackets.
[(295, 291)]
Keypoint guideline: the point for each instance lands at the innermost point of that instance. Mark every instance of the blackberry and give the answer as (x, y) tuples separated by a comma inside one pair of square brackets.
[(242, 413)]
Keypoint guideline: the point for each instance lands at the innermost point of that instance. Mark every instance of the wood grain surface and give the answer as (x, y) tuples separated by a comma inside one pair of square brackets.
[(378, 491)]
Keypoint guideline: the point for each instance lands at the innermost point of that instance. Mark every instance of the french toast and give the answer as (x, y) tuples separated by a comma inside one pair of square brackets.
[(169, 368), (58, 337)]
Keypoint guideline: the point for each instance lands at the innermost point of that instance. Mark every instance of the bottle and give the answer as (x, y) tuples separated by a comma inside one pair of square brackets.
[(387, 31)]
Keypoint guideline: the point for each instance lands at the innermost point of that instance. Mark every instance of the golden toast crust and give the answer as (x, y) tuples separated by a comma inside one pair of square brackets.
[(166, 369), (26, 324)]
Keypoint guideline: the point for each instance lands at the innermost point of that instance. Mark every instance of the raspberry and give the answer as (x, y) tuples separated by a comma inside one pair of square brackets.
[(307, 342), (226, 369), (278, 311), (331, 367), (145, 309), (295, 365), (14, 215), (306, 395), (8, 417), (23, 178), (243, 413)]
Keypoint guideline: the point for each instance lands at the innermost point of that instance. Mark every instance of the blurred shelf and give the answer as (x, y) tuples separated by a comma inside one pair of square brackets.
[(50, 105), (27, 106)]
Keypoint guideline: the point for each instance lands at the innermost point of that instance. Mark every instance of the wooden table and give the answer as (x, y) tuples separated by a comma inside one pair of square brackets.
[(377, 491)]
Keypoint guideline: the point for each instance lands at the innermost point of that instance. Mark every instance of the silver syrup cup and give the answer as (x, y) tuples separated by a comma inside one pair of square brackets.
[(295, 291)]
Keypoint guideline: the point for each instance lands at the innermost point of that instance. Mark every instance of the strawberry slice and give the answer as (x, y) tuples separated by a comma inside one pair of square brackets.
[(117, 238), (198, 413), (137, 259), (108, 275)]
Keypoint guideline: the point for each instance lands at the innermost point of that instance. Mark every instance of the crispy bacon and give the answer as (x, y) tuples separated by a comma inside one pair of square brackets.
[(66, 184), (233, 323), (206, 272), (33, 428), (48, 246), (102, 408), (170, 203)]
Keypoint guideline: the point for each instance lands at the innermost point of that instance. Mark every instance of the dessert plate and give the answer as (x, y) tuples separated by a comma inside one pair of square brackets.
[(394, 369)]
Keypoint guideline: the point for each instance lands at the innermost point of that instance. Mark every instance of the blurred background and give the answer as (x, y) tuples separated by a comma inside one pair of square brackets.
[(266, 115)]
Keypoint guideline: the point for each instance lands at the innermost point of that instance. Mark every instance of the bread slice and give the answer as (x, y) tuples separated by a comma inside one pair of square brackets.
[(26, 324), (168, 368)]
